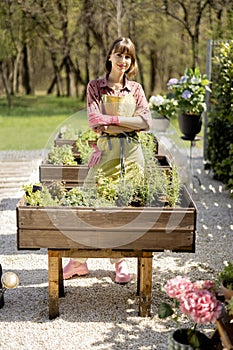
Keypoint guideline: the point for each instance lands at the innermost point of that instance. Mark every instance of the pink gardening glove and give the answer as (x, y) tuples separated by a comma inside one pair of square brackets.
[(98, 120), (95, 156)]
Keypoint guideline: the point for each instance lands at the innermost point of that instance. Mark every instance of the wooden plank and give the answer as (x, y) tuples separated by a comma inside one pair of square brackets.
[(53, 271), (88, 220), (154, 241), (66, 173), (145, 284)]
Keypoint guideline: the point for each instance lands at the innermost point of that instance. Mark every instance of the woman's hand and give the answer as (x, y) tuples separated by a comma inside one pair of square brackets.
[(96, 120)]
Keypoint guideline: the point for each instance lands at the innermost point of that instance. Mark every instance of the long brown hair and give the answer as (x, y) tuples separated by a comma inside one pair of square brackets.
[(123, 45)]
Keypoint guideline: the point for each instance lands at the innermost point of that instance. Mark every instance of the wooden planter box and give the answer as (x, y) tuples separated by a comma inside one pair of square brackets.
[(147, 228), (74, 175), (106, 233), (71, 175), (58, 142)]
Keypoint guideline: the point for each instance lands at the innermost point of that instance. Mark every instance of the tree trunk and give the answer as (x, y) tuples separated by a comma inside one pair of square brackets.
[(56, 80), (4, 79), (68, 80), (153, 60), (26, 71)]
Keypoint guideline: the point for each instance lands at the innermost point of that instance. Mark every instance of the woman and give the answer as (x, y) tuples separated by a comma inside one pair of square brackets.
[(117, 110)]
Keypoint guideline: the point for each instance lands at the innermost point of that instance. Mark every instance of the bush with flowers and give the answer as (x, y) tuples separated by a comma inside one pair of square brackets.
[(163, 106), (190, 91), (194, 299)]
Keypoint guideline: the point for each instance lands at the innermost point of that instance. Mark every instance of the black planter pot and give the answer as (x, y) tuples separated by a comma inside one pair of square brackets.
[(190, 125), (179, 341)]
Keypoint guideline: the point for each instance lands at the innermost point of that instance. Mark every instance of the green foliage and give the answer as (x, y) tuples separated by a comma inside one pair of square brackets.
[(190, 91), (61, 155), (165, 310), (76, 197), (150, 186), (220, 127), (149, 143), (163, 106), (84, 145), (229, 306), (40, 198), (69, 133), (172, 187), (226, 276), (137, 188)]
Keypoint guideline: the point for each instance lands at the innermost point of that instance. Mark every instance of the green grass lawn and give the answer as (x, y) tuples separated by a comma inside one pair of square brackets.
[(33, 121)]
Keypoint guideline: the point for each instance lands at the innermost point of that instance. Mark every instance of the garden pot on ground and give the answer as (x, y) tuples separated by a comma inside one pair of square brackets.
[(159, 122), (227, 293), (190, 125), (179, 341)]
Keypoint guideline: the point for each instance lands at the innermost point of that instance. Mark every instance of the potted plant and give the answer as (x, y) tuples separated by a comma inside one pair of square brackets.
[(162, 109), (225, 280), (196, 300), (190, 91)]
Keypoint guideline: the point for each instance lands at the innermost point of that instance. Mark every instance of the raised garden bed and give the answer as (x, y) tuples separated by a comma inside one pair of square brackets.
[(146, 228), (71, 175), (106, 233), (58, 142), (74, 175)]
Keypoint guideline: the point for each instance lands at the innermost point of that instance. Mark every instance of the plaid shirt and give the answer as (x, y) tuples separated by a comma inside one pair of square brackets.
[(99, 87)]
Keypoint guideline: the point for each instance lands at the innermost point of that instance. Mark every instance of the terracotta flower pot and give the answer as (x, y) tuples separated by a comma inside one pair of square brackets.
[(227, 293)]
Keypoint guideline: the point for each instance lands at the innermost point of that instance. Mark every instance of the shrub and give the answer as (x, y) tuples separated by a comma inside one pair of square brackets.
[(220, 126)]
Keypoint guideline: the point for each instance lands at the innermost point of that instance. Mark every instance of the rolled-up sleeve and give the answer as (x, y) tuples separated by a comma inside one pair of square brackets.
[(142, 107), (93, 99)]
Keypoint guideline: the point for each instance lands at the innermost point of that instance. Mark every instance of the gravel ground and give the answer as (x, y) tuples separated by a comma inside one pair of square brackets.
[(96, 313)]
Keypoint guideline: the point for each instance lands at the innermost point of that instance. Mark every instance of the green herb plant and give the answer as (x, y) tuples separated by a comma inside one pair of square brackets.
[(39, 198), (226, 276), (61, 155)]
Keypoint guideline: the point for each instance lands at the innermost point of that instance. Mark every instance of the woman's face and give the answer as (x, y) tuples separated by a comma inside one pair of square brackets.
[(120, 62)]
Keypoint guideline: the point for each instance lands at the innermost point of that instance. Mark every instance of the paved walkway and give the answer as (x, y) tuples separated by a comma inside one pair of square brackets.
[(18, 168)]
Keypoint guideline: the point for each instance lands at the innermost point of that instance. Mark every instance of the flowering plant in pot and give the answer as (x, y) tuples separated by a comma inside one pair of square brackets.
[(196, 300), (162, 109), (163, 106), (190, 91)]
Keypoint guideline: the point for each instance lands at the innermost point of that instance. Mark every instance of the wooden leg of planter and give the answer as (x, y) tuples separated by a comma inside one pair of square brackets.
[(145, 287), (61, 283), (138, 276), (53, 262)]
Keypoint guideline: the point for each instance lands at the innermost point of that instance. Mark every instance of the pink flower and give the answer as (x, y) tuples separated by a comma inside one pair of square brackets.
[(201, 305), (204, 284), (176, 287)]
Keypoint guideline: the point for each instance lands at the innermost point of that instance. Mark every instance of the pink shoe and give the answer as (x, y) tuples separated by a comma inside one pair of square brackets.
[(122, 273), (74, 268)]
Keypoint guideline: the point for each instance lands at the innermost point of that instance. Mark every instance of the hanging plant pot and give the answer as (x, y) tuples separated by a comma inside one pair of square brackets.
[(180, 340), (190, 125)]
